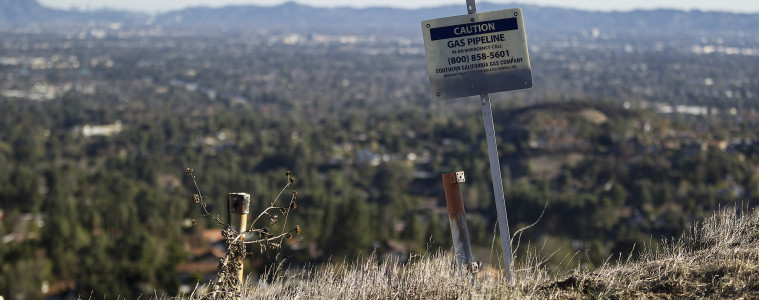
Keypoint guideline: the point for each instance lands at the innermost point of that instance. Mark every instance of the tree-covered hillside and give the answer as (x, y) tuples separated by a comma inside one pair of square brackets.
[(621, 142)]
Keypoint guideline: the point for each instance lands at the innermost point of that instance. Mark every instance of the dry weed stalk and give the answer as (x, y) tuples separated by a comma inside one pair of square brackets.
[(227, 285)]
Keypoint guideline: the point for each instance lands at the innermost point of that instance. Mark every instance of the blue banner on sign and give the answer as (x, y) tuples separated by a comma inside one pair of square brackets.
[(456, 31)]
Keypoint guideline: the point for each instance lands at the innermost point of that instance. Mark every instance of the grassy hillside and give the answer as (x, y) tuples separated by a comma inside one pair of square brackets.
[(718, 258)]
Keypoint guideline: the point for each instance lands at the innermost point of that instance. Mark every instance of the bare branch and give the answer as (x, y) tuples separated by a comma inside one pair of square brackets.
[(198, 198), (227, 284)]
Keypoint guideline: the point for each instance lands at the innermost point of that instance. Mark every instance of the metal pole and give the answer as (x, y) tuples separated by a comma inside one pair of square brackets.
[(471, 7), (239, 206), (495, 172), (457, 218)]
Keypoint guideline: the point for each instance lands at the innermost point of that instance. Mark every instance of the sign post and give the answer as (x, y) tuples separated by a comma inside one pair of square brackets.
[(479, 54), (500, 200)]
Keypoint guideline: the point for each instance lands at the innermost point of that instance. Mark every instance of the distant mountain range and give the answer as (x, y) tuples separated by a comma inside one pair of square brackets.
[(26, 12), (295, 16)]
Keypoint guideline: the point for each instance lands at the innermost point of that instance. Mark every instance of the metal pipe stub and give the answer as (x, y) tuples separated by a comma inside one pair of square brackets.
[(239, 206), (457, 219), (239, 203)]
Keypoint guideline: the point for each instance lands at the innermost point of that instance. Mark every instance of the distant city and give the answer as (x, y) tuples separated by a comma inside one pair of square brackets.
[(638, 125)]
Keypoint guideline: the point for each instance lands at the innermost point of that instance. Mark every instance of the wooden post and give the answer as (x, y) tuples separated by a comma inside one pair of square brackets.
[(239, 206), (457, 218)]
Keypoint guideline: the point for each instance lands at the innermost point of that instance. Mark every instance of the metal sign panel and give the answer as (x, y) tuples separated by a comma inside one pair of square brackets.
[(477, 54)]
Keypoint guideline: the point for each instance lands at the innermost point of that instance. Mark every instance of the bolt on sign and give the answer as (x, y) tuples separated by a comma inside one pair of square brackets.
[(477, 54)]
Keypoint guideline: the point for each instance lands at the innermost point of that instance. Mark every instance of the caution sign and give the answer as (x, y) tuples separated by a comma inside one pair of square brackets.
[(477, 54)]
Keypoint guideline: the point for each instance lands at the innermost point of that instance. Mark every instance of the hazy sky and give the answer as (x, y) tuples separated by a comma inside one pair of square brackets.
[(605, 5)]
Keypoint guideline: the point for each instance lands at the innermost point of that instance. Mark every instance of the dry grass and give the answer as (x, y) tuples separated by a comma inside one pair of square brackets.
[(425, 277), (718, 258)]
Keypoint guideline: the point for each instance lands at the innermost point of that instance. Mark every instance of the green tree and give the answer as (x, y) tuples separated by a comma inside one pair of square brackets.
[(413, 231), (26, 279), (438, 233), (22, 190), (62, 235), (350, 237)]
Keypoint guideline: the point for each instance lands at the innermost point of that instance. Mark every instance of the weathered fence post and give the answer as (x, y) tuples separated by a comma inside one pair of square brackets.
[(239, 206), (455, 203)]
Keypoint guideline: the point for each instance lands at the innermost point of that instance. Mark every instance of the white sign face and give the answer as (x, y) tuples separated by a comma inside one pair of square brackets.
[(477, 54)]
